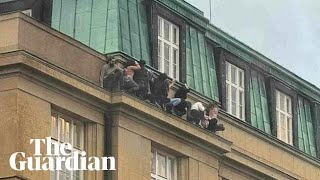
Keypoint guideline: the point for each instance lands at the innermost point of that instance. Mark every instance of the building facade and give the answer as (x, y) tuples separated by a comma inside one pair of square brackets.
[(50, 66)]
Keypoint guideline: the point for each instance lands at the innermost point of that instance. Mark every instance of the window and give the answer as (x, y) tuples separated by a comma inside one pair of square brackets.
[(163, 166), (168, 48), (235, 101), (284, 117), (67, 130)]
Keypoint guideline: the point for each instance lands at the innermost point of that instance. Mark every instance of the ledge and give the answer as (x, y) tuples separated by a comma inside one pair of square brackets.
[(152, 115), (268, 138)]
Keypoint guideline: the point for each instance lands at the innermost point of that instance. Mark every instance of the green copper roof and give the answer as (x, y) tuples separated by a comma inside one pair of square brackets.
[(259, 104), (121, 25), (201, 71)]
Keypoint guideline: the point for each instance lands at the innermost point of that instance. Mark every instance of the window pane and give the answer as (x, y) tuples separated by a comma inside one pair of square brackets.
[(175, 61), (166, 58), (240, 78), (282, 120), (67, 134), (233, 75), (62, 128), (171, 168), (240, 97), (160, 55), (283, 134), (227, 97), (227, 71), (166, 30), (289, 125), (281, 101), (175, 37), (54, 127), (233, 101), (233, 94), (288, 106), (162, 165), (233, 108), (175, 55), (166, 66), (159, 49), (166, 51), (153, 162), (175, 71), (159, 27), (77, 135)]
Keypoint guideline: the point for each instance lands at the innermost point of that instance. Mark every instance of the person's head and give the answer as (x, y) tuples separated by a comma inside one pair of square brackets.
[(213, 107), (142, 63), (130, 63)]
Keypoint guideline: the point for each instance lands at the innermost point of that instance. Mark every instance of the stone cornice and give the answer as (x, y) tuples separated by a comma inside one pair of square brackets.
[(268, 138), (178, 127), (245, 162), (49, 74)]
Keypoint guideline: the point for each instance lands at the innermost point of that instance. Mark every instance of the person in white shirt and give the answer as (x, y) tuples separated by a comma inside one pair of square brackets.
[(197, 113), (205, 117)]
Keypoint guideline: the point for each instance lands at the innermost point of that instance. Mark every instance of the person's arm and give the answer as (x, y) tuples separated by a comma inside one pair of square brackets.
[(135, 67)]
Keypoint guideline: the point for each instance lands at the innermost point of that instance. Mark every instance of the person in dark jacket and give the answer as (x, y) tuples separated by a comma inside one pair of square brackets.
[(184, 106), (142, 78), (160, 89)]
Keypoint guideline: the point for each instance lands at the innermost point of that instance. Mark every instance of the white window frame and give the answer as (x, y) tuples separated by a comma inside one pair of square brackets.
[(284, 127), (172, 44), (56, 137), (238, 85), (156, 176)]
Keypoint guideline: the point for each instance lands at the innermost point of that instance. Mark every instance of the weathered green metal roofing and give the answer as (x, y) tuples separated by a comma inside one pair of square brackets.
[(306, 139), (259, 105), (201, 70), (105, 25)]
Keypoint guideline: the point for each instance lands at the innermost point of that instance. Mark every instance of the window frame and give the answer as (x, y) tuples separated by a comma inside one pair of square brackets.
[(289, 137), (167, 155), (238, 88), (81, 146), (162, 42), (272, 86), (156, 10), (221, 57)]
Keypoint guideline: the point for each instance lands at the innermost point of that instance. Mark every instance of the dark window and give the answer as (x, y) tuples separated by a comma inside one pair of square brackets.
[(38, 9)]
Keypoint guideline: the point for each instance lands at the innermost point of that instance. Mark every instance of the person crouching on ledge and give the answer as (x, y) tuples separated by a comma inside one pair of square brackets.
[(129, 84), (211, 123)]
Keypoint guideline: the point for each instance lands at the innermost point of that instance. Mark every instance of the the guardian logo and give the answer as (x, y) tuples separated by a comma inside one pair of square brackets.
[(56, 154)]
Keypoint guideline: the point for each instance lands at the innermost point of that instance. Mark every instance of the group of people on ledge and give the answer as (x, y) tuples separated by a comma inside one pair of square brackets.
[(137, 80)]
